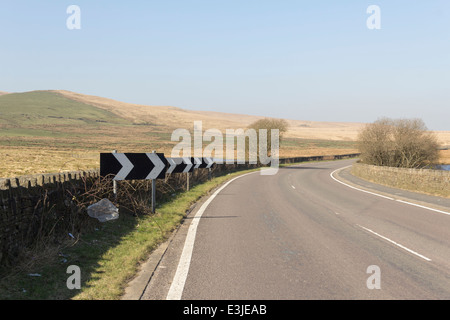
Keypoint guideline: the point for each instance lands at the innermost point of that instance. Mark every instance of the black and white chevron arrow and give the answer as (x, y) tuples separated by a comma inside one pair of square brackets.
[(188, 164), (133, 166), (207, 163), (197, 162), (179, 165)]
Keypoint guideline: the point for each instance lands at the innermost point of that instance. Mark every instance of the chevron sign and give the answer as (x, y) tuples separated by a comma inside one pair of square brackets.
[(188, 164), (206, 163), (180, 165), (133, 166), (202, 162)]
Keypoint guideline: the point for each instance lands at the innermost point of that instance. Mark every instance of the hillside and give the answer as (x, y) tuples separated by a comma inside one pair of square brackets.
[(37, 108), (55, 130), (179, 118)]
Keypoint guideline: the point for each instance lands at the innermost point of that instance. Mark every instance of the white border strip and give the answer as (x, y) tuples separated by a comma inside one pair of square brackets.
[(395, 243), (179, 280), (379, 195), (420, 206), (345, 184)]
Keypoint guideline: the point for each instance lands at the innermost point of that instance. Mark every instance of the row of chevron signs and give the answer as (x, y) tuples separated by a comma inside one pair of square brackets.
[(148, 166)]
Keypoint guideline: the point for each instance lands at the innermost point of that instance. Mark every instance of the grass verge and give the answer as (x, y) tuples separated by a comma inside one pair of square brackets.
[(108, 257)]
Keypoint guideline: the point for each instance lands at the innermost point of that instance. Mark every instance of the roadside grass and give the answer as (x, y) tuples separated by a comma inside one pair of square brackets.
[(108, 257)]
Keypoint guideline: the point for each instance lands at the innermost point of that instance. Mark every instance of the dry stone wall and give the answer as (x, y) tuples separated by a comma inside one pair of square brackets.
[(435, 182)]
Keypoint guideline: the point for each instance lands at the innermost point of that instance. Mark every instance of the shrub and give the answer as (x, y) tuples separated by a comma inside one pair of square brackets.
[(405, 143)]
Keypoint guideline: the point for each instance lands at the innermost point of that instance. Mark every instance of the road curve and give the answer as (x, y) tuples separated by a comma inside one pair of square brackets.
[(300, 234)]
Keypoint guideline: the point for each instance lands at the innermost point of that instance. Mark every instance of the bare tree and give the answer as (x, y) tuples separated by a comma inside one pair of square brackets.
[(270, 124), (403, 143)]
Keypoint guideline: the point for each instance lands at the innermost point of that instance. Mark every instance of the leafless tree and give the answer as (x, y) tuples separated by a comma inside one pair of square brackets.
[(403, 143), (269, 123)]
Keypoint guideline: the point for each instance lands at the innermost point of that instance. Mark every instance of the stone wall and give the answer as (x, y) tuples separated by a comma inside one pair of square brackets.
[(39, 208), (434, 182)]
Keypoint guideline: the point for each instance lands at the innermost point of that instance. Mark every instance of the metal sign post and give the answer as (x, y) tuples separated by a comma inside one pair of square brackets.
[(115, 184), (153, 193), (187, 181)]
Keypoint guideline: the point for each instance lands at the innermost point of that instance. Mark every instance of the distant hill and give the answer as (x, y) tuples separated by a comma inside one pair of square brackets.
[(180, 118), (174, 117), (58, 107), (61, 107), (28, 109), (57, 130)]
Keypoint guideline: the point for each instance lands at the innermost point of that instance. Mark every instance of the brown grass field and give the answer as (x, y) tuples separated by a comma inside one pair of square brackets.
[(444, 157), (72, 147)]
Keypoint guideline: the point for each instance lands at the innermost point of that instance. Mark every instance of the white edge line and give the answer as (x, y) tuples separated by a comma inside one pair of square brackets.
[(395, 243), (379, 195), (375, 194), (179, 280), (420, 206)]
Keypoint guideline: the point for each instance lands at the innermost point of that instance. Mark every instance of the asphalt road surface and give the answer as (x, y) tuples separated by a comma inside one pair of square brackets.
[(300, 234)]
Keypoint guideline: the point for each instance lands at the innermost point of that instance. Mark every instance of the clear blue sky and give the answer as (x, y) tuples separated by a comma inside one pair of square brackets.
[(306, 60)]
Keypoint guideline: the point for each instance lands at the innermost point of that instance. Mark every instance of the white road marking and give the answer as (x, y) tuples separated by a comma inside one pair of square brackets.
[(380, 195), (420, 206), (179, 280), (395, 243), (345, 184)]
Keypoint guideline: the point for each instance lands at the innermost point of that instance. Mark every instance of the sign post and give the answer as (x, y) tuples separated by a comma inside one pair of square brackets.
[(153, 192), (115, 184), (187, 181)]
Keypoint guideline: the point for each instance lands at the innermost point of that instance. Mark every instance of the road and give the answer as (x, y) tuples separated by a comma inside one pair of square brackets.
[(300, 234)]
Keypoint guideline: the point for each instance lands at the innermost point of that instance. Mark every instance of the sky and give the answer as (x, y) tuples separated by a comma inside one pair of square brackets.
[(293, 59)]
